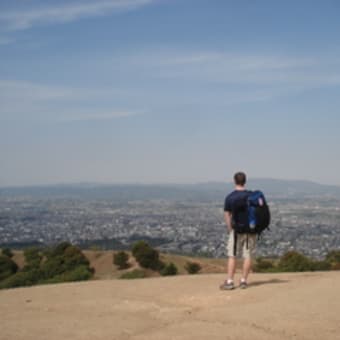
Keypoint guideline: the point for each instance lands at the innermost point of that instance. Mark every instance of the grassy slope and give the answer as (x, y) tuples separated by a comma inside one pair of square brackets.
[(102, 262)]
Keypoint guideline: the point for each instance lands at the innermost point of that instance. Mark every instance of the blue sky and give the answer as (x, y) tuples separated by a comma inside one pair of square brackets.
[(168, 91)]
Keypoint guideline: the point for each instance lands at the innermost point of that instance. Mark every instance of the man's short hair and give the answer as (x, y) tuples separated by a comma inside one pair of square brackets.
[(240, 178)]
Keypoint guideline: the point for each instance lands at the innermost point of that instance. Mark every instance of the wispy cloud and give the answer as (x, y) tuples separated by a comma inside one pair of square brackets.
[(233, 60), (27, 100), (23, 90), (66, 12), (262, 76), (98, 116)]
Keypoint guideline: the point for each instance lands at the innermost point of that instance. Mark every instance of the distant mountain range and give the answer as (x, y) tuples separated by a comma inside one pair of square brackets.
[(195, 192)]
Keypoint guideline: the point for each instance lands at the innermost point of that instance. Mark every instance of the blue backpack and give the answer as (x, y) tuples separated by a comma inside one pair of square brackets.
[(256, 207)]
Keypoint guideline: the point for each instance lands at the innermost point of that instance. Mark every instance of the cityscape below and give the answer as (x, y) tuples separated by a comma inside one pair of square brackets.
[(182, 219)]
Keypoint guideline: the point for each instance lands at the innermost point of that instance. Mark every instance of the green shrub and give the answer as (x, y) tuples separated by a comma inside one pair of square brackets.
[(31, 266), (169, 269), (80, 273), (60, 248), (146, 256), (120, 259), (33, 255), (320, 265), (134, 274), (333, 257), (52, 266), (7, 252), (64, 262), (335, 266), (263, 265), (63, 258), (74, 257), (192, 267), (7, 267), (139, 247), (21, 279), (293, 261)]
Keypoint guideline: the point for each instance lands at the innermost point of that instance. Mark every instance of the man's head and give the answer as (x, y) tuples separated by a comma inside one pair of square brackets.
[(240, 179)]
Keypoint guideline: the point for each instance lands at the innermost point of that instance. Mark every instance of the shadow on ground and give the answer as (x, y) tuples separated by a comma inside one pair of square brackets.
[(272, 281)]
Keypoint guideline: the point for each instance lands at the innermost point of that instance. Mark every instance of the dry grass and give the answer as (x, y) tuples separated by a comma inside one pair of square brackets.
[(102, 262)]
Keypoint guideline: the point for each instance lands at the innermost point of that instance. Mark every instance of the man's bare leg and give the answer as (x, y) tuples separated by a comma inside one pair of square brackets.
[(231, 268), (246, 268)]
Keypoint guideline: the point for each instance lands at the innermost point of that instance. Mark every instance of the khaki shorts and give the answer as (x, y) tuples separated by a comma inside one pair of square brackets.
[(245, 243)]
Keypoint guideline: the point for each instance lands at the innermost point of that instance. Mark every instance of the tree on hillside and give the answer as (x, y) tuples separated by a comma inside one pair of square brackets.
[(32, 253), (8, 252), (21, 279), (146, 256), (63, 258), (169, 269), (74, 257), (120, 259), (333, 257), (192, 267), (60, 248), (33, 257), (64, 262), (7, 267)]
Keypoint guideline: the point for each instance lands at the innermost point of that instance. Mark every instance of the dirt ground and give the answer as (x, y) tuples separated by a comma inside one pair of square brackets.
[(275, 306)]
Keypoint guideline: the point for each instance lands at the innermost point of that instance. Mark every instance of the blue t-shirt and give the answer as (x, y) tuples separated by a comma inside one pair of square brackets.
[(235, 203)]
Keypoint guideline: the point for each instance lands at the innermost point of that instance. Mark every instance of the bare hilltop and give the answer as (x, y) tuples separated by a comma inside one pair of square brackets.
[(275, 306)]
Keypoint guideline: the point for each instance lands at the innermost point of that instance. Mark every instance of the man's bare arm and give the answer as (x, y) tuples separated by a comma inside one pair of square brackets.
[(227, 219)]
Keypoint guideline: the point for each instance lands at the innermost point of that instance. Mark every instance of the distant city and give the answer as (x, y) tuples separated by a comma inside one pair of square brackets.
[(175, 219)]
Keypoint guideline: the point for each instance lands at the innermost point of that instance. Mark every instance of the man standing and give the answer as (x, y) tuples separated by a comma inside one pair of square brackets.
[(235, 214)]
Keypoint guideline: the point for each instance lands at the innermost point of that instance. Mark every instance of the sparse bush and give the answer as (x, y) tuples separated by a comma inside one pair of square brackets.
[(120, 259), (320, 265), (293, 261), (192, 267), (33, 255), (146, 256), (335, 266), (333, 257), (134, 274), (7, 252), (7, 267), (263, 265), (169, 269)]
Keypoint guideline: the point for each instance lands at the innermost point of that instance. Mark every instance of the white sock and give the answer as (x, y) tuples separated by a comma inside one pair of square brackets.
[(229, 281)]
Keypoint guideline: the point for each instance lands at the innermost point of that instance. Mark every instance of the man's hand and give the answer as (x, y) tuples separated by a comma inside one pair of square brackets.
[(227, 219)]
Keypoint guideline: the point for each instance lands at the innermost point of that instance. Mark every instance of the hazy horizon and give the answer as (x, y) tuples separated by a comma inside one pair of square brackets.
[(157, 91), (212, 182)]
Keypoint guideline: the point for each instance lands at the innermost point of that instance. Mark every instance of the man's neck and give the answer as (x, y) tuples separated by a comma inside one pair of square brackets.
[(240, 187)]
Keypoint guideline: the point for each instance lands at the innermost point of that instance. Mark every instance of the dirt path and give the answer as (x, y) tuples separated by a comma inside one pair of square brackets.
[(275, 306)]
